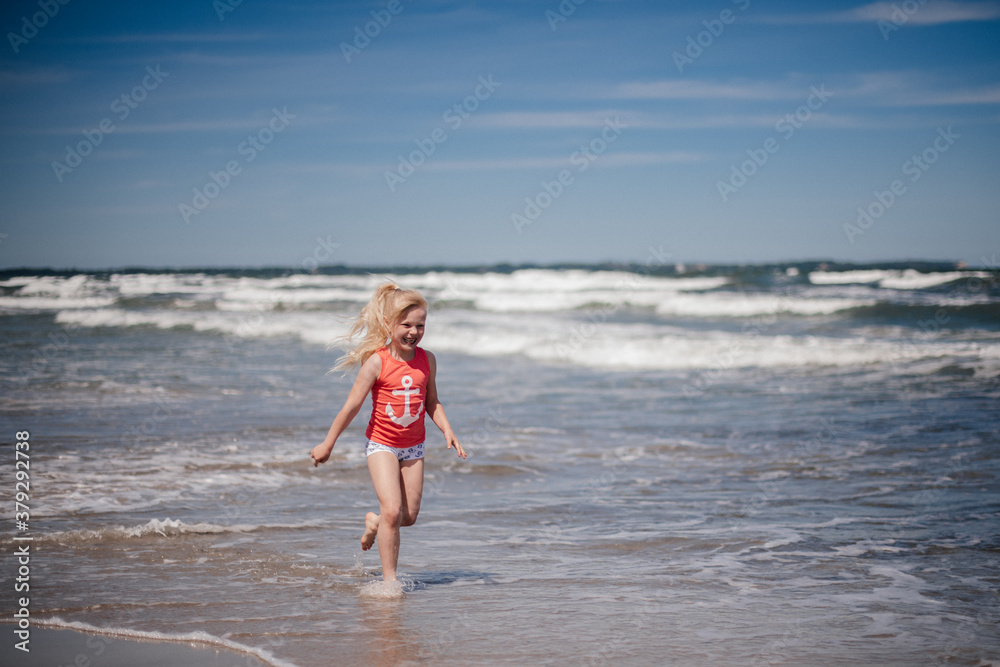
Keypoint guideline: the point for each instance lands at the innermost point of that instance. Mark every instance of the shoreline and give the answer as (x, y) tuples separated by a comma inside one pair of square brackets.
[(57, 643)]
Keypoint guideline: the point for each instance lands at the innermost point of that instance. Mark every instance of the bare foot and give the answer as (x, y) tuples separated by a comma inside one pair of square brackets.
[(371, 530)]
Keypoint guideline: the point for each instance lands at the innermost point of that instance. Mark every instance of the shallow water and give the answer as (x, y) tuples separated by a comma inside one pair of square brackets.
[(812, 510)]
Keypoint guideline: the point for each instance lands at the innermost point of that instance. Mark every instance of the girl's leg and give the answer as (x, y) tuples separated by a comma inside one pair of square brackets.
[(411, 479), (399, 487), (384, 469)]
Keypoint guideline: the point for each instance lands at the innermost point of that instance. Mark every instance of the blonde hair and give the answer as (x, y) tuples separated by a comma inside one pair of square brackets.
[(374, 323)]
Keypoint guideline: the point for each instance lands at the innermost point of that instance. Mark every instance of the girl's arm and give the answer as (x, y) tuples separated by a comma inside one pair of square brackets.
[(362, 385), (436, 411)]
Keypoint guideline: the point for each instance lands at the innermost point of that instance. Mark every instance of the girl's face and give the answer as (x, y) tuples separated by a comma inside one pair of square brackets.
[(409, 329)]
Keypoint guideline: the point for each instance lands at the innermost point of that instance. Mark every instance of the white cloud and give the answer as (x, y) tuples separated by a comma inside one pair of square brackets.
[(982, 95), (678, 89), (903, 89), (33, 76), (874, 89), (930, 13), (544, 119), (172, 37), (622, 159)]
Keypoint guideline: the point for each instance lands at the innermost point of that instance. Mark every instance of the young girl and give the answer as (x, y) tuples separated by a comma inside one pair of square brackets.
[(401, 378)]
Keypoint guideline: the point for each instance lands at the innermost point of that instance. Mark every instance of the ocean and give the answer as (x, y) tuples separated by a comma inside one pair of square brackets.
[(684, 465)]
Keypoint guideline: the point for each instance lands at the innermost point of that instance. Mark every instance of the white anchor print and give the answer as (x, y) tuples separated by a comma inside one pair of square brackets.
[(407, 418)]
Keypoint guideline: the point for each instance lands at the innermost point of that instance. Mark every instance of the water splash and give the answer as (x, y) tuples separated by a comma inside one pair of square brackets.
[(382, 590)]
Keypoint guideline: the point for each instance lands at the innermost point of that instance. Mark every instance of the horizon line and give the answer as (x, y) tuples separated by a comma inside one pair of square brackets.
[(670, 266)]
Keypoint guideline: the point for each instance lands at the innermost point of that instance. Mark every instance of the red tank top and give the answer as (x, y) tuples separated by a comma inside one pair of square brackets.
[(398, 400)]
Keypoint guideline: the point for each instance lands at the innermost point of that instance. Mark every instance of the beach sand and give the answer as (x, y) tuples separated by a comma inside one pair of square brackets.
[(57, 647)]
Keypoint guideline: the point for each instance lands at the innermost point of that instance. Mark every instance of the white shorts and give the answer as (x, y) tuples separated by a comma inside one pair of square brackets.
[(401, 453)]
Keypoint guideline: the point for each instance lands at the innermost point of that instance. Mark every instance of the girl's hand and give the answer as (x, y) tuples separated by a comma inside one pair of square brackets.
[(453, 442), (320, 454)]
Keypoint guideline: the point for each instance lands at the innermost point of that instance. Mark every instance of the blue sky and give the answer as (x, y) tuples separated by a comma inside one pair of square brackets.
[(218, 134)]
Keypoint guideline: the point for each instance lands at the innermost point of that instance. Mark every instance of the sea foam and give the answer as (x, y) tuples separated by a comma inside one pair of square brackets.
[(197, 637)]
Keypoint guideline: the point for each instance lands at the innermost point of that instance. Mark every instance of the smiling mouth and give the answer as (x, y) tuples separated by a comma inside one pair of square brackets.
[(410, 340)]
